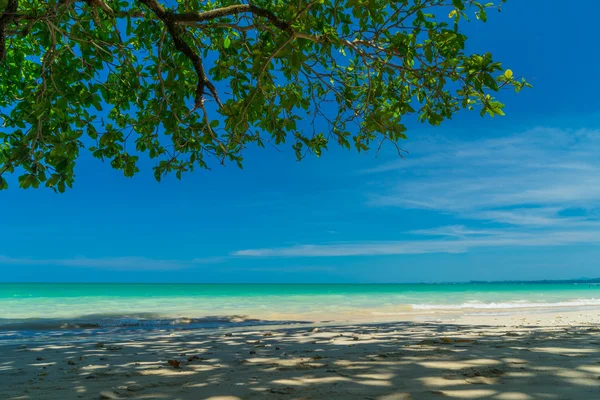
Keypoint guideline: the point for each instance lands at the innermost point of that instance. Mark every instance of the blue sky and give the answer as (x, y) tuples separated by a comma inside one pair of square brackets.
[(516, 197)]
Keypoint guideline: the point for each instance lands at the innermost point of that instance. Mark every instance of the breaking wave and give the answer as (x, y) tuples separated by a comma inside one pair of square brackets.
[(476, 305)]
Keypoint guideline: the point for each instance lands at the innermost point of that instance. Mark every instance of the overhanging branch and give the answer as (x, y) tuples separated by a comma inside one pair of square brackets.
[(175, 32), (9, 14), (172, 20), (232, 10)]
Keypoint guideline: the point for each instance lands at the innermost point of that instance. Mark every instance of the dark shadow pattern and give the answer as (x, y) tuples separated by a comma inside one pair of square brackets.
[(372, 362)]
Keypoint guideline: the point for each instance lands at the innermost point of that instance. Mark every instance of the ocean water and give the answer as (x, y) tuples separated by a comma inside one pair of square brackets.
[(37, 307)]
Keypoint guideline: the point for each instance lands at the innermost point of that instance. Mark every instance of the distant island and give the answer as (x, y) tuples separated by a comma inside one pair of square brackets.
[(580, 280)]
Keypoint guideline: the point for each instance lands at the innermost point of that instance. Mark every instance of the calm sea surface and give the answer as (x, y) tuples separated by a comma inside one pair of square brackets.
[(37, 306)]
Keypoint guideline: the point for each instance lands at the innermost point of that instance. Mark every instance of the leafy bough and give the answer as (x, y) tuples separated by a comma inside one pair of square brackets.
[(189, 83)]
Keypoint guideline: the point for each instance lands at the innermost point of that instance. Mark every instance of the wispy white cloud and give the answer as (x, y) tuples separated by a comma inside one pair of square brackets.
[(513, 191), (454, 231), (113, 263), (357, 249), (454, 245), (525, 179)]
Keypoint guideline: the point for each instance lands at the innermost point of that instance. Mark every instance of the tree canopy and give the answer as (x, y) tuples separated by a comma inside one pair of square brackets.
[(192, 83)]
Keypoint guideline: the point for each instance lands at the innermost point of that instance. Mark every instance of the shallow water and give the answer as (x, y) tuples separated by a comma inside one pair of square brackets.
[(31, 307)]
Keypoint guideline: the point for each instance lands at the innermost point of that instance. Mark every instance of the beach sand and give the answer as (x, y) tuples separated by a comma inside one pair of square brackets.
[(511, 357)]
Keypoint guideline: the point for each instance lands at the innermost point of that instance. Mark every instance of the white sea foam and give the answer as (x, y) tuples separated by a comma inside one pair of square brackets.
[(508, 305)]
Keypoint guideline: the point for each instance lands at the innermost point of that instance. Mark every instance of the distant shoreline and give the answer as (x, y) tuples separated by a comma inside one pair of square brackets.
[(546, 281)]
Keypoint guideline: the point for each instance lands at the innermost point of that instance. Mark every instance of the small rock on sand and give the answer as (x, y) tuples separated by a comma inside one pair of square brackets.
[(109, 395)]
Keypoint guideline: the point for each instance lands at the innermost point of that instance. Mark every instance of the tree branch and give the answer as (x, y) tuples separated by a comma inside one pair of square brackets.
[(9, 14), (175, 31), (232, 10)]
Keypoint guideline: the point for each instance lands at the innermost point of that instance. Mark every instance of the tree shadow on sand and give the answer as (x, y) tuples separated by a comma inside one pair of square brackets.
[(375, 362)]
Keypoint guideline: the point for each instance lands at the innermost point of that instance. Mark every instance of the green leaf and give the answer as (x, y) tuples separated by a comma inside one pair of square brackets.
[(326, 76)]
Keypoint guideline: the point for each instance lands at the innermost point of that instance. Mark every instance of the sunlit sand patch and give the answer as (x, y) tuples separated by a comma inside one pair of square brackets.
[(166, 372), (513, 396), (94, 367), (196, 385), (375, 383), (457, 365), (571, 373), (310, 381), (590, 368), (223, 398), (483, 361), (139, 364), (43, 364), (519, 374), (52, 347), (562, 350), (394, 396), (469, 394), (438, 381), (592, 382), (80, 389)]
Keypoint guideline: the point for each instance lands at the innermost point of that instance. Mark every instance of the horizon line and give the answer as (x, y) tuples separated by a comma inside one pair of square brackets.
[(574, 280)]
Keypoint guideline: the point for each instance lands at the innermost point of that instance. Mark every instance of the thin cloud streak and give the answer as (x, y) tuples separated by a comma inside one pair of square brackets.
[(114, 263), (455, 245), (528, 179), (538, 188)]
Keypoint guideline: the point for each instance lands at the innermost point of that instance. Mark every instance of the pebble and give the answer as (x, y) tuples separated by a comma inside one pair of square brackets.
[(109, 395)]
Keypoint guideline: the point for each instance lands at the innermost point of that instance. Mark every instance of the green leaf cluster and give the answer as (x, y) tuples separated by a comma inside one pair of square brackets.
[(191, 83)]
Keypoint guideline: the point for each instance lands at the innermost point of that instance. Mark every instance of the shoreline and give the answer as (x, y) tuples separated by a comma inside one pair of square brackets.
[(518, 356), (44, 330)]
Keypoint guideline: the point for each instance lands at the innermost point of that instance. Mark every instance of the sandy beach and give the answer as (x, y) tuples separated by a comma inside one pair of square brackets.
[(519, 356)]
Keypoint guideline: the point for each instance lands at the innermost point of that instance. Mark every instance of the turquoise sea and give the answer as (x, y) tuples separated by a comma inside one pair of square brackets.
[(40, 306)]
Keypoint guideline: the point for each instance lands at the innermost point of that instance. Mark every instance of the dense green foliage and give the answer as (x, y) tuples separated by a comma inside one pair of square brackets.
[(187, 81)]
